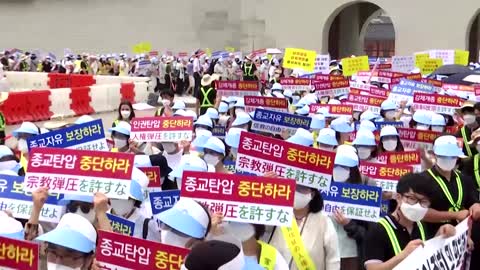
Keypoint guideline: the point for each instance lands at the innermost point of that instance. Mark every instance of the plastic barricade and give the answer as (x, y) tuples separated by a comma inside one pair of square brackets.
[(80, 100), (127, 92), (114, 96), (80, 80), (15, 108), (101, 102), (58, 80), (60, 102), (27, 80), (38, 104)]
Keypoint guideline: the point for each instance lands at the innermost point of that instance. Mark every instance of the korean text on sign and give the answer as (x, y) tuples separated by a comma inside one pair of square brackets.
[(242, 198), (153, 174), (219, 131), (271, 103), (413, 139), (335, 88), (275, 122), (362, 103), (352, 65), (299, 58), (121, 225), (436, 103), (308, 166), (14, 199), (87, 136), (295, 84), (18, 254), (385, 175), (163, 200), (162, 129), (354, 201), (79, 172), (333, 109), (116, 251), (237, 88)]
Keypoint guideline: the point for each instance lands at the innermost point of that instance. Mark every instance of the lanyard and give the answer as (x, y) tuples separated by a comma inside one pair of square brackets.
[(476, 160), (465, 141), (445, 190)]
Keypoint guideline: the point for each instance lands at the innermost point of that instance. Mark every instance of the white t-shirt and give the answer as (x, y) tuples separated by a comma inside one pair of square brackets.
[(196, 65)]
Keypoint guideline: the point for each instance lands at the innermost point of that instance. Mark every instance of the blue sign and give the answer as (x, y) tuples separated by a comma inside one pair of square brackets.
[(87, 134), (282, 119), (384, 208), (163, 200), (380, 125), (418, 86), (229, 165), (219, 131), (404, 90), (353, 194), (121, 225)]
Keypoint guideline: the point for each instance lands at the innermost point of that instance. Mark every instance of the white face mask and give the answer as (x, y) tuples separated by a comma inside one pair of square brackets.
[(173, 239), (166, 102), (169, 147), (90, 216), (119, 143), (241, 231), (211, 159), (125, 114), (10, 165), (239, 110), (469, 119), (390, 144), (54, 266), (340, 174), (437, 128), (413, 212), (22, 146), (364, 153), (422, 127), (390, 115), (122, 207), (301, 200), (446, 163)]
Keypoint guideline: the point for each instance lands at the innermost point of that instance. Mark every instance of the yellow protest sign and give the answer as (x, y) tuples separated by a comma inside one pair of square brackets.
[(142, 47), (229, 49), (461, 57), (420, 57), (299, 58), (430, 65), (352, 65), (208, 52)]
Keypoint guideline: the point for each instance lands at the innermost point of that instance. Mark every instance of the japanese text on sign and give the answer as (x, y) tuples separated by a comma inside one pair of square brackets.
[(162, 129), (275, 122)]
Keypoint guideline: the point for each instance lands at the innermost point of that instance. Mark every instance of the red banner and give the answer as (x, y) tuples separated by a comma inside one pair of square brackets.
[(18, 254)]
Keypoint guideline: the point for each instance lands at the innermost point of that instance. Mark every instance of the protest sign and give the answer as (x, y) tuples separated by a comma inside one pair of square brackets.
[(296, 84), (242, 198), (379, 92), (18, 254), (413, 139), (359, 202), (385, 175), (229, 165), (436, 103), (418, 86), (335, 110), (335, 88), (461, 57), (420, 58), (276, 122), (329, 77), (121, 252), (270, 103), (428, 66), (162, 129), (401, 93), (322, 64), (87, 136), (403, 64), (352, 65), (384, 208), (80, 172), (433, 82), (14, 199), (153, 174), (219, 131), (439, 252), (299, 58), (308, 166), (237, 88), (362, 103), (163, 200), (405, 158), (121, 225), (142, 47), (447, 56)]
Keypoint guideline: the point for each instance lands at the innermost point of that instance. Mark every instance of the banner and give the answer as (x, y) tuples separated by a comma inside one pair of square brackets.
[(428, 66), (335, 88), (402, 93), (413, 139), (162, 129), (219, 132), (352, 65), (419, 86), (14, 199), (382, 124), (308, 166), (120, 252), (328, 78), (276, 122), (461, 57), (296, 84), (405, 158), (440, 253), (447, 56), (440, 104), (142, 47), (163, 200), (269, 103), (87, 136), (237, 88), (121, 225), (359, 202), (322, 64), (18, 254), (242, 198), (403, 64), (299, 58), (229, 165), (80, 172), (362, 103), (420, 58), (153, 174), (335, 110), (386, 176)]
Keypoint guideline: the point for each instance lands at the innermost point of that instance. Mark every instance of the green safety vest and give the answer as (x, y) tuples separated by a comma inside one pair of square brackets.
[(393, 237), (2, 122), (247, 70), (205, 102), (268, 256), (465, 141), (476, 159), (115, 123), (455, 206)]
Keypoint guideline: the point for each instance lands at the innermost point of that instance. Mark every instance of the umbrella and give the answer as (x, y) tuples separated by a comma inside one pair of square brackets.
[(459, 78), (451, 69)]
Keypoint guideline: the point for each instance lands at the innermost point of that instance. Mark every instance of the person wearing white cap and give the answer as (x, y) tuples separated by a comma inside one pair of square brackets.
[(185, 224), (438, 122), (368, 115), (239, 106), (125, 112), (121, 135), (214, 154), (317, 123), (276, 87), (243, 121), (367, 124), (10, 227), (390, 140), (365, 144), (421, 120), (203, 122), (207, 95), (223, 113), (302, 137), (178, 105), (8, 161), (388, 110), (188, 162), (343, 128), (471, 123), (232, 139), (201, 138), (25, 131), (327, 140), (303, 111), (213, 114), (83, 119)]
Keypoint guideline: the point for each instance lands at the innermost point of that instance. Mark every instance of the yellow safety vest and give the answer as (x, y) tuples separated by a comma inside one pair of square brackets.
[(2, 122), (476, 159), (393, 237), (115, 123), (205, 102), (247, 70), (455, 206), (268, 256), (465, 141), (78, 65), (23, 162)]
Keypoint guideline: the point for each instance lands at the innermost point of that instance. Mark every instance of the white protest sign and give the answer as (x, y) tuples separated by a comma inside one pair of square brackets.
[(322, 64), (448, 56), (403, 64)]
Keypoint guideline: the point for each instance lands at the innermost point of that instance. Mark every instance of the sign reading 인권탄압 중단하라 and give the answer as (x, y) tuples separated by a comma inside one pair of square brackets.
[(162, 129)]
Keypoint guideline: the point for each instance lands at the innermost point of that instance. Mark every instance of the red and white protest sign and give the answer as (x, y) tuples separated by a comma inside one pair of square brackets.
[(18, 254), (379, 92), (385, 175), (335, 88), (458, 89), (242, 198), (308, 166), (121, 252), (328, 78), (153, 174), (414, 77), (162, 129), (362, 103), (237, 88), (413, 139), (405, 158), (436, 103), (334, 110), (296, 84), (269, 103), (84, 172)]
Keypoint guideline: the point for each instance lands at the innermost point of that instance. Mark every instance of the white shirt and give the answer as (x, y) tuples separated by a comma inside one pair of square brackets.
[(196, 65)]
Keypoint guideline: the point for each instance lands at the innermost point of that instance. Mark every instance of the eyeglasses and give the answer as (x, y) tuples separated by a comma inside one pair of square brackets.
[(84, 207), (410, 199)]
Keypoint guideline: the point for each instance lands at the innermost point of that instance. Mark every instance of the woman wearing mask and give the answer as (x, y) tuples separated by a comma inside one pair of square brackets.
[(343, 128), (471, 124), (327, 140), (389, 140), (125, 113), (172, 152), (317, 124), (214, 154), (243, 121), (9, 162), (438, 123), (388, 110), (238, 107), (365, 144), (421, 120), (203, 122), (25, 131), (121, 135)]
